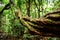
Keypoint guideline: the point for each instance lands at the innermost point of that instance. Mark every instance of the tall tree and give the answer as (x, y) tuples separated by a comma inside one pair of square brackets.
[(39, 8), (28, 7)]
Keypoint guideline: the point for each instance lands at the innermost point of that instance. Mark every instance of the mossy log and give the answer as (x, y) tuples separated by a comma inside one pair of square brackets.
[(45, 25), (49, 25)]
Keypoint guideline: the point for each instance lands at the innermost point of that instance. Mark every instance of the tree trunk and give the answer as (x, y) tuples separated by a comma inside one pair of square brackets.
[(39, 12), (28, 8)]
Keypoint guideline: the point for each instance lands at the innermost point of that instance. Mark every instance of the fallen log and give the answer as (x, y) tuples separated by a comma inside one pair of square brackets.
[(45, 26)]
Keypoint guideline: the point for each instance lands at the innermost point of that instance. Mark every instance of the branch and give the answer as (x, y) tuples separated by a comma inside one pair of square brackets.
[(7, 6), (54, 12)]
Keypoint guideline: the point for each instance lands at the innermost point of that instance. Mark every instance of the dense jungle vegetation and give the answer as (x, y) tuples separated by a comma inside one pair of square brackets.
[(19, 19)]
